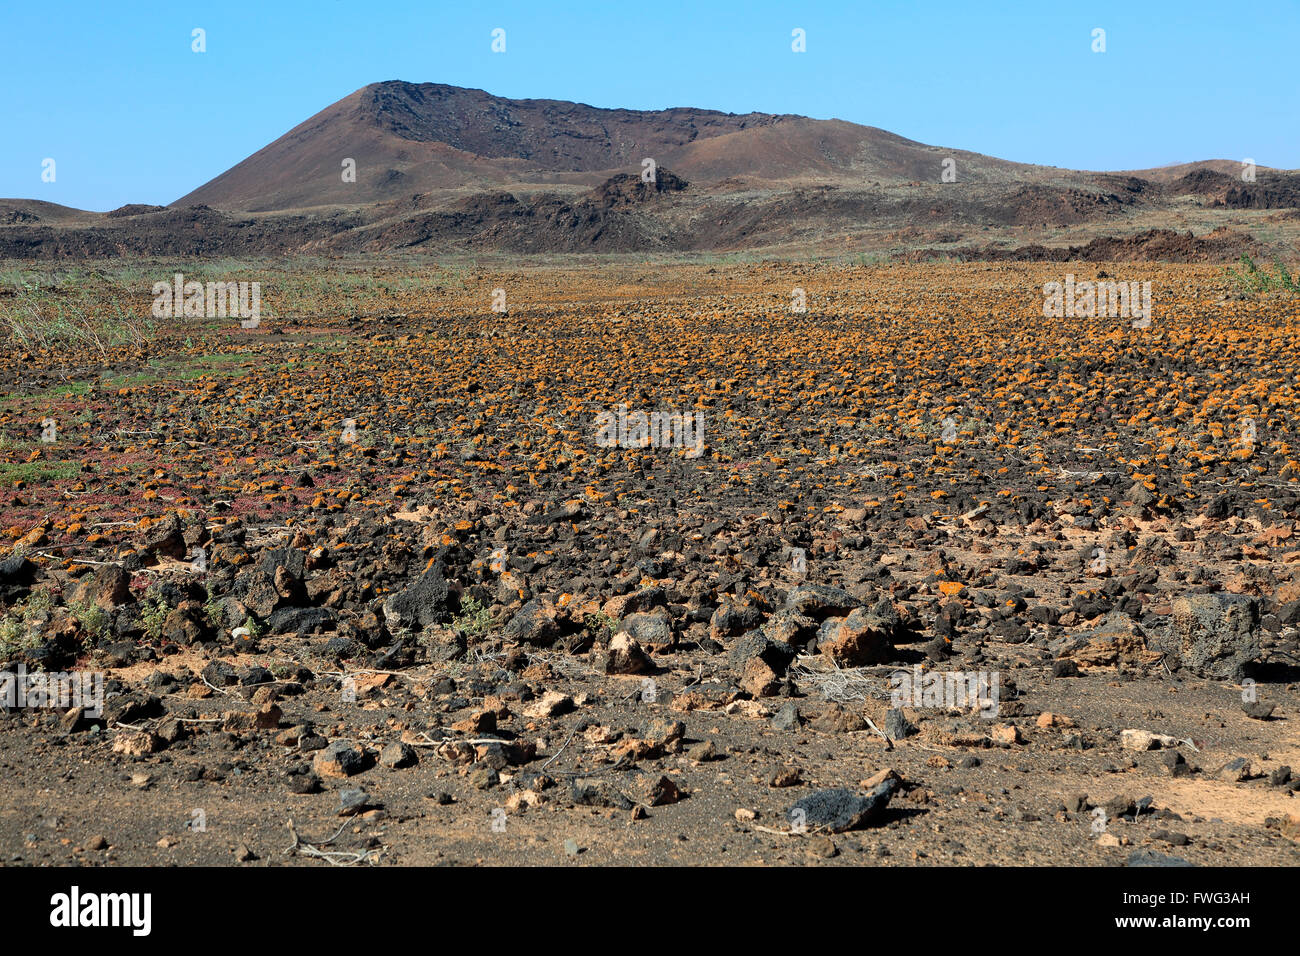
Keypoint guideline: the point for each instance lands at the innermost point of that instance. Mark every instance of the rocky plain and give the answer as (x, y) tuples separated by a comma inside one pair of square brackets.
[(649, 561)]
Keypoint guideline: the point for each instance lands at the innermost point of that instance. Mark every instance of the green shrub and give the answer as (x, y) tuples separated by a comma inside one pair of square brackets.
[(474, 620), (93, 620), (153, 612), (1252, 280)]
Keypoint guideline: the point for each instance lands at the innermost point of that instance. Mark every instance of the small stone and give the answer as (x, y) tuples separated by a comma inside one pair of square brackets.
[(1258, 710), (663, 734), (787, 718), (861, 639), (137, 744), (340, 759), (703, 751), (1290, 826), (571, 847), (483, 778), (426, 602), (1047, 720), (744, 815), (1143, 740), (352, 802), (73, 720), (661, 792), (625, 656), (787, 777), (523, 799), (897, 726), (551, 704), (171, 731), (398, 755), (879, 777), (480, 721), (243, 854), (97, 842), (304, 783), (841, 810), (268, 717), (821, 848), (820, 601), (1174, 764), (1006, 735), (1152, 858), (1217, 634), (1235, 771), (649, 630), (1119, 806)]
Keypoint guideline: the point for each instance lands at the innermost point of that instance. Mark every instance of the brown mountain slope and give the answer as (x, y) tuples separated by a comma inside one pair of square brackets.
[(30, 211), (444, 168), (799, 148), (1168, 174), (408, 138)]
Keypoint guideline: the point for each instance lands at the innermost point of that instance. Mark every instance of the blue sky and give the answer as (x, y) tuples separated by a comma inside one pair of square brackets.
[(114, 94)]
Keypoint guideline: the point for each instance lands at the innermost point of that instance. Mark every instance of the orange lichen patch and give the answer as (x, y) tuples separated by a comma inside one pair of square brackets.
[(843, 405)]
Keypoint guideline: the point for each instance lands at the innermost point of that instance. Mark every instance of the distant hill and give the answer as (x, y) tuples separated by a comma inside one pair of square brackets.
[(442, 167), (410, 138)]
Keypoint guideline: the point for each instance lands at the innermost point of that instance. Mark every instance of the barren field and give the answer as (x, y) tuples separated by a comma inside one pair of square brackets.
[(367, 586)]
